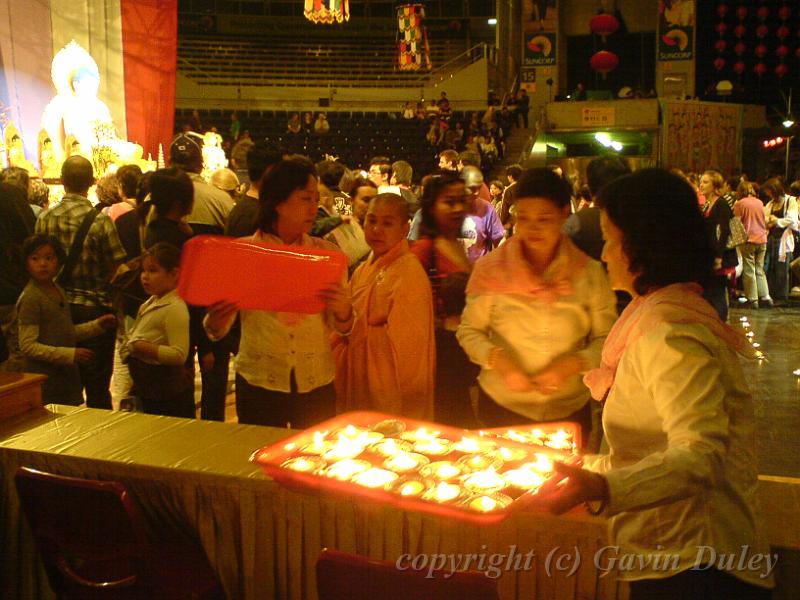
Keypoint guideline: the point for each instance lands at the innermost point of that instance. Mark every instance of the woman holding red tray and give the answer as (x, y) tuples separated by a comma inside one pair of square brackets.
[(285, 369), (538, 310), (679, 483)]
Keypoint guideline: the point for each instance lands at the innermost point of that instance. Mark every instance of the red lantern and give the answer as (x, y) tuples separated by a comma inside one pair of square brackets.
[(782, 32), (763, 12), (797, 53), (719, 64), (761, 51), (721, 28), (603, 25), (739, 30), (740, 48), (722, 10), (784, 12), (760, 69), (781, 70), (604, 61), (739, 67), (720, 45), (762, 31), (741, 12), (782, 51)]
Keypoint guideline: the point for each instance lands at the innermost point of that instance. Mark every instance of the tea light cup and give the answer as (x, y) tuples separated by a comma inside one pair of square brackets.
[(541, 464), (304, 464), (346, 469), (411, 486), (391, 447), (480, 462), (345, 447), (510, 454), (444, 492), (375, 478), (441, 470), (471, 445), (420, 434), (524, 479), (485, 482), (319, 445), (433, 446), (405, 461), (487, 503)]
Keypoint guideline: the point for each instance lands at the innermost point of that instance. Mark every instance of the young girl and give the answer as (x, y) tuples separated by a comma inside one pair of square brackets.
[(47, 338), (158, 342)]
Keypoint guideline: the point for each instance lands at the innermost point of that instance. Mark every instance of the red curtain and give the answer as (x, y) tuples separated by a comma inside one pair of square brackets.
[(150, 48)]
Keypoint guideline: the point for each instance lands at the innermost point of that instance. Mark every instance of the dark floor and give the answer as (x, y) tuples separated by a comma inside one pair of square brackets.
[(776, 389)]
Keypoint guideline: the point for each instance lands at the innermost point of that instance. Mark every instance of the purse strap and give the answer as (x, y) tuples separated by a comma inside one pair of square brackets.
[(65, 276)]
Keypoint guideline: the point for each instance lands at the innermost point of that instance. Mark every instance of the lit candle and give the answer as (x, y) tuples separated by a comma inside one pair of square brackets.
[(390, 447), (420, 434), (488, 503), (441, 470), (375, 478), (405, 461), (410, 486), (479, 462), (560, 440), (542, 464), (345, 447), (444, 492), (750, 334), (364, 436), (796, 372), (319, 445), (347, 469), (485, 481), (304, 464), (511, 454), (525, 479), (471, 445), (434, 446)]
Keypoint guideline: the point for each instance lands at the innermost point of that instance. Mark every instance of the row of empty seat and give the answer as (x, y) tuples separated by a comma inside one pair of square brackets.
[(295, 61)]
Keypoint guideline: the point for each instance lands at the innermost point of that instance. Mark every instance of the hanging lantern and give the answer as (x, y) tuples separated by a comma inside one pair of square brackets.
[(722, 10), (327, 11), (782, 51), (782, 32), (604, 61), (604, 25), (739, 67), (763, 13), (784, 12), (760, 69), (720, 45), (740, 48), (413, 42), (781, 70), (762, 31), (719, 64), (739, 31), (721, 28), (741, 13)]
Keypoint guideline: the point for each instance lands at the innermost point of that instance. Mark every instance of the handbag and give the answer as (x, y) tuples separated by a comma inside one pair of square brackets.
[(738, 234)]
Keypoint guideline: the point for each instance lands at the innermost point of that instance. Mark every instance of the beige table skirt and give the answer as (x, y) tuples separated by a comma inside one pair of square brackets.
[(194, 477)]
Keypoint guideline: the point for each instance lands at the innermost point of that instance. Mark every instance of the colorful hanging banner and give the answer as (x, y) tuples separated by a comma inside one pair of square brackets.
[(676, 30), (412, 45), (327, 11)]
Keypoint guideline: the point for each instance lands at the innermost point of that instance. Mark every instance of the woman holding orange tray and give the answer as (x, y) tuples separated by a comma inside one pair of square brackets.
[(285, 369), (679, 482)]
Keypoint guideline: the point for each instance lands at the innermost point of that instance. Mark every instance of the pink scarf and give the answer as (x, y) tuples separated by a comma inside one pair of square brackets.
[(506, 271), (677, 303)]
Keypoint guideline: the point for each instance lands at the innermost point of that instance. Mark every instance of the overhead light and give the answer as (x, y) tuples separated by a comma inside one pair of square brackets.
[(616, 146), (788, 122), (492, 21), (603, 138)]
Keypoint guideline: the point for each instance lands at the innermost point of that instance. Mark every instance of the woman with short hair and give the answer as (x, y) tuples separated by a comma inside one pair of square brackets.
[(680, 476)]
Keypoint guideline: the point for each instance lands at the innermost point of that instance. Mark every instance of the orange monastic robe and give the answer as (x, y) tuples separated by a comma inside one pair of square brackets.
[(388, 361)]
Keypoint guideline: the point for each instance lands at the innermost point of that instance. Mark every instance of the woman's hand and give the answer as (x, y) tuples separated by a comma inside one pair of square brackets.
[(550, 379), (143, 348), (337, 300), (83, 356), (576, 486), (515, 378), (218, 315)]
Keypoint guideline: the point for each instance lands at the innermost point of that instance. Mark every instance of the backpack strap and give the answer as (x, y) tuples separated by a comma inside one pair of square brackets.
[(65, 276)]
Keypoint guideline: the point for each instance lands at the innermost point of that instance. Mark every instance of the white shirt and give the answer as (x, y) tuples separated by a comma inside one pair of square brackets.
[(534, 332), (163, 321), (681, 470)]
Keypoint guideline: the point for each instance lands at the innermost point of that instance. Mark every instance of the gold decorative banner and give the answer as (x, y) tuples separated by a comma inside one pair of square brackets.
[(327, 11), (412, 45)]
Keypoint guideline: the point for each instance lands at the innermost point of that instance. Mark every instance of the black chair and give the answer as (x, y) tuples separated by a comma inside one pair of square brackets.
[(93, 544)]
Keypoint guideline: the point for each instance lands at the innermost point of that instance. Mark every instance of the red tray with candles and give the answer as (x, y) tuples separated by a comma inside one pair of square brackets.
[(414, 465), (564, 436)]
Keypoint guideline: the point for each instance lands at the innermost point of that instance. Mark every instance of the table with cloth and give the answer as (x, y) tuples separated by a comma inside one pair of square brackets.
[(194, 477)]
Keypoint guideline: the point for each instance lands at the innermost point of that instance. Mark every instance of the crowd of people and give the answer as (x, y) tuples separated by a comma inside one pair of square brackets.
[(470, 304)]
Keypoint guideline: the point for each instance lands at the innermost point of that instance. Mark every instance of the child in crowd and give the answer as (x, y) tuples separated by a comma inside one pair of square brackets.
[(47, 337), (158, 342)]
